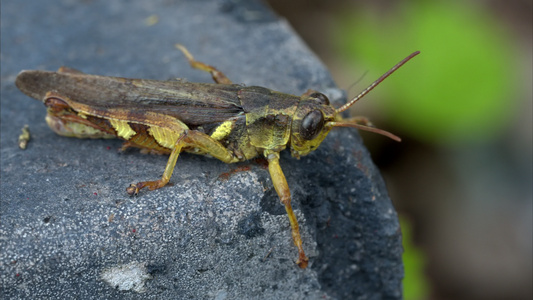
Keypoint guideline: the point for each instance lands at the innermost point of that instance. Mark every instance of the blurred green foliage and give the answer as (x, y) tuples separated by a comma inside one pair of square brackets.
[(463, 85), (415, 284)]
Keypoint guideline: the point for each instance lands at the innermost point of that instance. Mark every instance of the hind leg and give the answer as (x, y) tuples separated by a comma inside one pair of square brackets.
[(218, 76)]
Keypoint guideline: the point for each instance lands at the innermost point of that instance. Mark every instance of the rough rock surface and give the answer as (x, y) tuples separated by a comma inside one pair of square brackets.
[(67, 227)]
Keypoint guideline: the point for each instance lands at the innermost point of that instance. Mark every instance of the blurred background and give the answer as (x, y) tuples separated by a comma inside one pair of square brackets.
[(462, 177)]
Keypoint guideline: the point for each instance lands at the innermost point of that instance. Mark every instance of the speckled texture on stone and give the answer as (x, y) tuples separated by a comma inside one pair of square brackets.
[(66, 221)]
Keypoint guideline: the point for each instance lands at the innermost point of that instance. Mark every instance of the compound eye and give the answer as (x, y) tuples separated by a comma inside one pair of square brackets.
[(320, 97), (311, 125)]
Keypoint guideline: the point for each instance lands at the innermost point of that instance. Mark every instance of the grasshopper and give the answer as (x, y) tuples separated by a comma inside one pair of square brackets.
[(227, 121)]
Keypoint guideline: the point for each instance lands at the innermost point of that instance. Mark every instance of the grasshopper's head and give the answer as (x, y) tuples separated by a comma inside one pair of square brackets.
[(315, 117), (309, 127)]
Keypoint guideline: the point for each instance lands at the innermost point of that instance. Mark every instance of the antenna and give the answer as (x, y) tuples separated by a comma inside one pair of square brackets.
[(375, 83)]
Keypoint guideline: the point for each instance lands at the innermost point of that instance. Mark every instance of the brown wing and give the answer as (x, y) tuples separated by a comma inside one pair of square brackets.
[(195, 104)]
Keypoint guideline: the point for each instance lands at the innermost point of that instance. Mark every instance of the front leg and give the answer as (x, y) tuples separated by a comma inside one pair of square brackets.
[(282, 188)]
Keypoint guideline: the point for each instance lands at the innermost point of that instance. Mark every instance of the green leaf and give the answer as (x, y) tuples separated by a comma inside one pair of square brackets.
[(461, 87)]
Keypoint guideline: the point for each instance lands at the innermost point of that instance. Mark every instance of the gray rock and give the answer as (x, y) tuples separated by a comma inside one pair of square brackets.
[(68, 229)]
